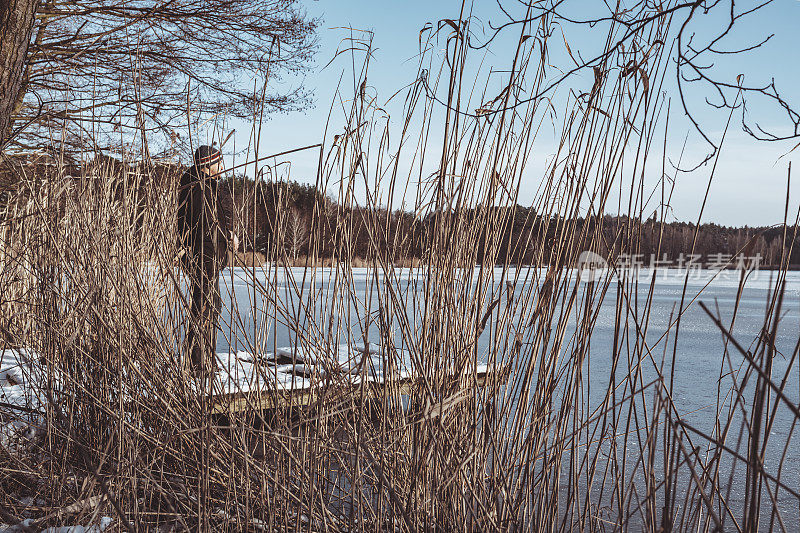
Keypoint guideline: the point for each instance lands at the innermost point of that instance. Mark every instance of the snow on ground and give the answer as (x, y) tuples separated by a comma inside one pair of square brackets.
[(13, 378), (19, 403), (28, 525), (21, 407)]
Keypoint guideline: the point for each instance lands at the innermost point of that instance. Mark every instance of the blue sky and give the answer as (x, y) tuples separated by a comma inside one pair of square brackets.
[(750, 181)]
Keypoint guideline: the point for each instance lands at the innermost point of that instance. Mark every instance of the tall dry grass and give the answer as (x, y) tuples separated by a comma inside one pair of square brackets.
[(90, 284)]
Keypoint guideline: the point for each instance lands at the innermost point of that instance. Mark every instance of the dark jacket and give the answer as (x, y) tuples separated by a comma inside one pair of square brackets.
[(205, 211)]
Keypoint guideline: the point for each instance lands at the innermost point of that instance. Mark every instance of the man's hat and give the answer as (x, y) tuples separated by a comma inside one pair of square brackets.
[(206, 156)]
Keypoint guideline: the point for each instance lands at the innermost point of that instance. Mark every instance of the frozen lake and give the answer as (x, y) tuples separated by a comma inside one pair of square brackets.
[(271, 308), (310, 304), (302, 302)]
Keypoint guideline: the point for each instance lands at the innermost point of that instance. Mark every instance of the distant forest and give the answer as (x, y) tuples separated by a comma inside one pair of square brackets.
[(306, 222)]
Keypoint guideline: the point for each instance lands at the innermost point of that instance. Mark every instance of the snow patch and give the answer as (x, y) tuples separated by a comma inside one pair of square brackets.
[(29, 524), (245, 372)]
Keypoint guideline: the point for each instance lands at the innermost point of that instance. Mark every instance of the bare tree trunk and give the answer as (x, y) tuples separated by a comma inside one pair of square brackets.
[(297, 234), (16, 25)]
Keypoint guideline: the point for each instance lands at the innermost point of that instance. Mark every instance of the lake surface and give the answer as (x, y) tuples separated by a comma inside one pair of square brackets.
[(274, 307)]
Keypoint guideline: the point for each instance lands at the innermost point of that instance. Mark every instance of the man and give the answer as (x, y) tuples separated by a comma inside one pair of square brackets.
[(204, 236)]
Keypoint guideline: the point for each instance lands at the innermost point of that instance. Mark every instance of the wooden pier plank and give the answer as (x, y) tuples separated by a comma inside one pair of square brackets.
[(264, 399)]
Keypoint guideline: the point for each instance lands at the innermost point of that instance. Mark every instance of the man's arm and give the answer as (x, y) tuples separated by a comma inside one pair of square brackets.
[(226, 236), (182, 217)]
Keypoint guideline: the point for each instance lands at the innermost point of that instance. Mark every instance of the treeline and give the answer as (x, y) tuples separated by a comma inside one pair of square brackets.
[(301, 221)]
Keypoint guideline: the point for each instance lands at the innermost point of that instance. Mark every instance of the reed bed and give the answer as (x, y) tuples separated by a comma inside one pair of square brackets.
[(90, 285)]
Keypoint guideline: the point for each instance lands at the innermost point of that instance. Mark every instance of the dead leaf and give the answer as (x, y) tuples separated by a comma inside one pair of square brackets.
[(426, 27), (569, 50)]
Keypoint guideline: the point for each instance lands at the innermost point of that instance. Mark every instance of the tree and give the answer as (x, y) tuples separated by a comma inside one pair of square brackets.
[(107, 70), (16, 26), (296, 234)]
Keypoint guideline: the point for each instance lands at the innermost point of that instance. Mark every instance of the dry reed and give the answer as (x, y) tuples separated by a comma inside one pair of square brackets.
[(89, 283)]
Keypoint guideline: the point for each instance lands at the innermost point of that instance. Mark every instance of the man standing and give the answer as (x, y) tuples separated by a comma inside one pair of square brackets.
[(205, 235)]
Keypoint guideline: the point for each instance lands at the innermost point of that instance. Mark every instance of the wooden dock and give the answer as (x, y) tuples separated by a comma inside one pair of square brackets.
[(351, 375)]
